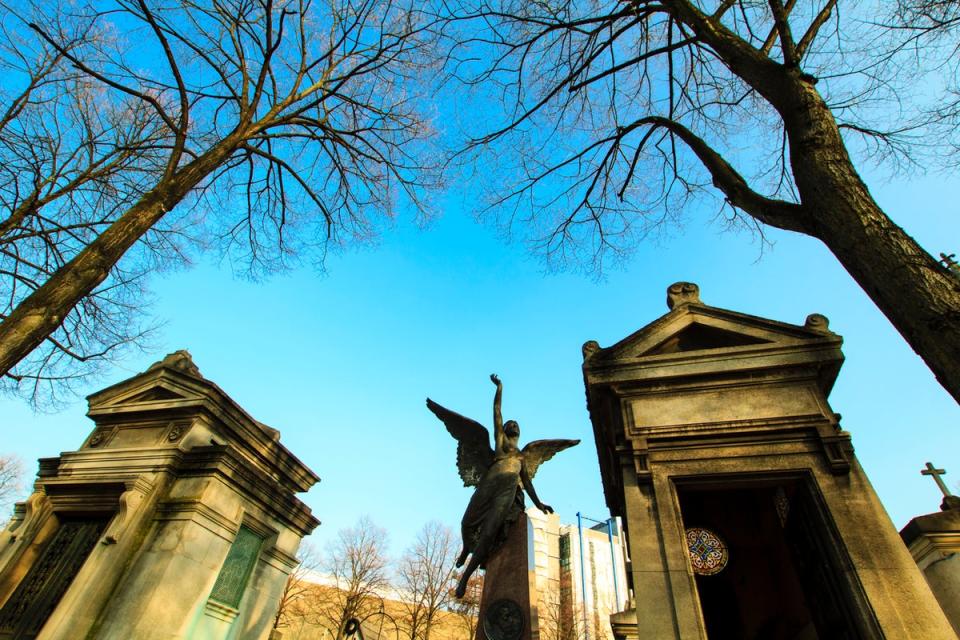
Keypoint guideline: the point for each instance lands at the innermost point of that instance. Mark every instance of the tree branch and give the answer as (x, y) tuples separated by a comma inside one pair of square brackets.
[(780, 18), (773, 212), (814, 28)]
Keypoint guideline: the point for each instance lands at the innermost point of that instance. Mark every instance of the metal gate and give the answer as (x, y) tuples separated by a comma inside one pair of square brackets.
[(37, 595)]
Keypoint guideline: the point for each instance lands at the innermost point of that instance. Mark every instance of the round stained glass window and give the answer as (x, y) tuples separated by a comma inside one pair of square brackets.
[(708, 553)]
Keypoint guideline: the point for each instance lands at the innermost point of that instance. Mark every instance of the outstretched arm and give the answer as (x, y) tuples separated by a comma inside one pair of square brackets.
[(497, 418), (528, 486)]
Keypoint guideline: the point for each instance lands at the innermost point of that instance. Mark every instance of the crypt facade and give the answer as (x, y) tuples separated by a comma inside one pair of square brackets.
[(176, 518), (746, 512)]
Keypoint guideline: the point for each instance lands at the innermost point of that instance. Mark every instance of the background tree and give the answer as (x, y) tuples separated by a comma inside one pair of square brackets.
[(467, 608), (275, 129), (300, 586), (357, 566), (11, 484), (560, 617), (618, 114), (426, 577)]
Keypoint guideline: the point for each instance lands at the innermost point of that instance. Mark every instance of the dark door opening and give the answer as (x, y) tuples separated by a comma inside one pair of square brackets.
[(782, 578)]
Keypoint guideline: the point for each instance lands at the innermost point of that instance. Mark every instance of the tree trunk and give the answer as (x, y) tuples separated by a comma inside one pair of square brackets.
[(917, 294), (41, 313)]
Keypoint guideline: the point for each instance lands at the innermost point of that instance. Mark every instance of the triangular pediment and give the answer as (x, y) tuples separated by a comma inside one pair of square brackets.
[(149, 389), (694, 328), (698, 336), (156, 393)]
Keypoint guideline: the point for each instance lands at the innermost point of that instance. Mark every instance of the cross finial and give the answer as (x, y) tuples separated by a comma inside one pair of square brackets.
[(948, 261), (936, 473)]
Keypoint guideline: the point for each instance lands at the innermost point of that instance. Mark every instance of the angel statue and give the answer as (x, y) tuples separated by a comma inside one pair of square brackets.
[(499, 475)]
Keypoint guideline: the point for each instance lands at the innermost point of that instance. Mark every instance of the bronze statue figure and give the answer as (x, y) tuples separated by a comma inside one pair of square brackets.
[(499, 475)]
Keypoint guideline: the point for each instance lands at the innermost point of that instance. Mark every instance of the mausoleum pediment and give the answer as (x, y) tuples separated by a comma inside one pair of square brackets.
[(172, 405), (699, 335), (155, 393), (692, 328), (157, 386)]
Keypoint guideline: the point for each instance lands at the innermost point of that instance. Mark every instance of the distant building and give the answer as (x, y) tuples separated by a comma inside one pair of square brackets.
[(578, 590)]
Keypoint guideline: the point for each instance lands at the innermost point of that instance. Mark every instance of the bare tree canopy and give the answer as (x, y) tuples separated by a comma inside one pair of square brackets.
[(467, 608), (927, 35), (271, 130), (356, 563), (70, 158), (427, 578), (295, 601), (618, 114), (11, 480)]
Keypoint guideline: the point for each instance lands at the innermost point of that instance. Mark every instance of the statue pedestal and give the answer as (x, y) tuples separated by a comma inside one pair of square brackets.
[(508, 605)]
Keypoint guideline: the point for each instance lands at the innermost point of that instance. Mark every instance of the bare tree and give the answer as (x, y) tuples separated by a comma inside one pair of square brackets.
[(929, 32), (427, 578), (11, 481), (618, 113), (357, 565), (276, 129), (467, 608), (559, 616), (69, 159), (294, 602)]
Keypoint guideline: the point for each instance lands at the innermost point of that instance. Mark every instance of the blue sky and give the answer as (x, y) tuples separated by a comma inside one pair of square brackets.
[(341, 363)]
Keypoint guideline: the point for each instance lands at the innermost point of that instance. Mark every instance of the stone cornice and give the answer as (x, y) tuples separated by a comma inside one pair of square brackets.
[(227, 463), (942, 525), (186, 394)]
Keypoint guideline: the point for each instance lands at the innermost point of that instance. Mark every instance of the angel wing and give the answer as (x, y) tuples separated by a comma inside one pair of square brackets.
[(539, 451), (474, 455)]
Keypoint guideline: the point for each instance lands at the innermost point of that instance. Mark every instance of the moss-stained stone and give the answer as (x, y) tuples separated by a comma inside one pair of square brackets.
[(178, 469)]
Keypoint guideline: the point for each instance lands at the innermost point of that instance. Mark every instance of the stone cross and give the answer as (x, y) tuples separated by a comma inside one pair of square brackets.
[(936, 473), (949, 262)]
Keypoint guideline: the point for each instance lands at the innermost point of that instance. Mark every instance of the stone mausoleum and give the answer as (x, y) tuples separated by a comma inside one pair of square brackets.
[(745, 510), (176, 518)]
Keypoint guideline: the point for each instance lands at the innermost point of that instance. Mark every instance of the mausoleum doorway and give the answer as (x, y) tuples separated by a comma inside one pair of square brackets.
[(766, 565), (58, 562)]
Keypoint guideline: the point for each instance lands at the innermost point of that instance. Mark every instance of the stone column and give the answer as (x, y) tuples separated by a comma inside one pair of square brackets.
[(667, 606)]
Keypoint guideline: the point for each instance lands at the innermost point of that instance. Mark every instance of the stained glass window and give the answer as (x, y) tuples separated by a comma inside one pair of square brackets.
[(708, 553), (237, 568)]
